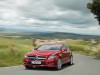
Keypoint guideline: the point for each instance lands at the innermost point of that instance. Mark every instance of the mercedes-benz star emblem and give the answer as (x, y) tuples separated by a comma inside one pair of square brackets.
[(36, 57)]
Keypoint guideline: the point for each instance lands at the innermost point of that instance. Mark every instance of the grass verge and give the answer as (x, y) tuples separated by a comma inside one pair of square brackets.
[(12, 51)]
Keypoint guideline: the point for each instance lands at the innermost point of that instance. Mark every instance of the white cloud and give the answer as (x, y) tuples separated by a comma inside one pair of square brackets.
[(8, 14)]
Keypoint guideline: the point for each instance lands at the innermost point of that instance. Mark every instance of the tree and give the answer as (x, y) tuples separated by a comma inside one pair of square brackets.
[(94, 7)]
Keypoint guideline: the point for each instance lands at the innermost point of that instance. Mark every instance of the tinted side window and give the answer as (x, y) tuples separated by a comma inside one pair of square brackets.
[(64, 46)]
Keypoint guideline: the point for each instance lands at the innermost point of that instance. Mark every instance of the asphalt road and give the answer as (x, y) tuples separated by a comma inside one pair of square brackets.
[(83, 65)]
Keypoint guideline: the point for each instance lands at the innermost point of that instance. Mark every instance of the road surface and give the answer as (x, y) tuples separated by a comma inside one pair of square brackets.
[(83, 65)]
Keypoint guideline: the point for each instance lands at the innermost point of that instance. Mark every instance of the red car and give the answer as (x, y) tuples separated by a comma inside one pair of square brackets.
[(48, 55)]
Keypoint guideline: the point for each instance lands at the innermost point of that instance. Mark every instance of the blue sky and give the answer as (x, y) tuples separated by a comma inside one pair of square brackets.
[(49, 15)]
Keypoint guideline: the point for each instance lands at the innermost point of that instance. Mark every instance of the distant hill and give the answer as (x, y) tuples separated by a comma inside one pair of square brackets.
[(43, 35), (61, 35)]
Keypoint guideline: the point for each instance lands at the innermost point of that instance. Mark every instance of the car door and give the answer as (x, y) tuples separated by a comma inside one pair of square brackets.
[(66, 53)]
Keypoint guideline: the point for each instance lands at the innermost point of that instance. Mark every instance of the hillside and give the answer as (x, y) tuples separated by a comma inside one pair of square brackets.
[(43, 35), (62, 35)]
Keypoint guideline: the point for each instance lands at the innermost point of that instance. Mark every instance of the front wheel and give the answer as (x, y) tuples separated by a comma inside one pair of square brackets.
[(59, 64), (71, 61)]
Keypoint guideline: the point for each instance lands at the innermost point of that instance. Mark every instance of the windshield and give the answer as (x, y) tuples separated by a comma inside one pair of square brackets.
[(49, 47)]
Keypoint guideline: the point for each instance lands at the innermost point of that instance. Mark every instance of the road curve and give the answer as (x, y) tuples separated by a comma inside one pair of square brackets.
[(83, 65)]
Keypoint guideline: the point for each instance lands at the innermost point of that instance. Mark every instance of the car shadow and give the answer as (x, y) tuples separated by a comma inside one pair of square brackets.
[(49, 69), (97, 58)]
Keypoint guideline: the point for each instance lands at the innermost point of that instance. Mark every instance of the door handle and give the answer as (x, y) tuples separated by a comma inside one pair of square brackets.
[(65, 52)]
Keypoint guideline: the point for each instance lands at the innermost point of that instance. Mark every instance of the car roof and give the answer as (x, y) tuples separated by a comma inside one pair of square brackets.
[(53, 44)]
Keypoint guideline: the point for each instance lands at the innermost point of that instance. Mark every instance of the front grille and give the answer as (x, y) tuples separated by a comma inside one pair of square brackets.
[(37, 57)]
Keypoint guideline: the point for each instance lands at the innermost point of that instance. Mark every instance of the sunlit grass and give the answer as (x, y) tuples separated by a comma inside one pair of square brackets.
[(83, 47), (12, 51)]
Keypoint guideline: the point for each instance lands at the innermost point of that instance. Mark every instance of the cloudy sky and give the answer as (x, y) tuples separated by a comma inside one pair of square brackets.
[(48, 15)]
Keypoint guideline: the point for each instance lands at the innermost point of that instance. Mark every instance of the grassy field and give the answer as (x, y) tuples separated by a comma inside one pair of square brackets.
[(12, 50), (85, 47)]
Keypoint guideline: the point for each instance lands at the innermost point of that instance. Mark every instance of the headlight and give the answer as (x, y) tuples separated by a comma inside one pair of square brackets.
[(52, 57), (25, 56)]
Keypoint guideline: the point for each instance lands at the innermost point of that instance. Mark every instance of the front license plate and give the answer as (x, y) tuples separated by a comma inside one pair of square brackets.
[(36, 62)]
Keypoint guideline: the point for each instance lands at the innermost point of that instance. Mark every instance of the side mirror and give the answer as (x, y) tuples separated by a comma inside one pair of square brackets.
[(65, 49), (35, 48)]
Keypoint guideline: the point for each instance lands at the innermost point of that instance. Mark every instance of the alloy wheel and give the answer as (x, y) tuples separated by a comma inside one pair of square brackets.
[(59, 64)]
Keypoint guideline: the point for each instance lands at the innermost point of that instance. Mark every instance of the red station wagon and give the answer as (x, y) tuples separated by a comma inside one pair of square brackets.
[(48, 55)]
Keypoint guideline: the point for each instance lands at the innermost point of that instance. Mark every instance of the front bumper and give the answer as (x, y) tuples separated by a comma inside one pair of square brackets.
[(44, 63)]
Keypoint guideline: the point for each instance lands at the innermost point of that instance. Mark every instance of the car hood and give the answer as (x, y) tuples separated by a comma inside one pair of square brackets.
[(42, 53)]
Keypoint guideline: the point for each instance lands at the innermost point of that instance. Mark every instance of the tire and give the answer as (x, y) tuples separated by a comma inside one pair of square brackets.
[(27, 67), (59, 64), (71, 61)]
